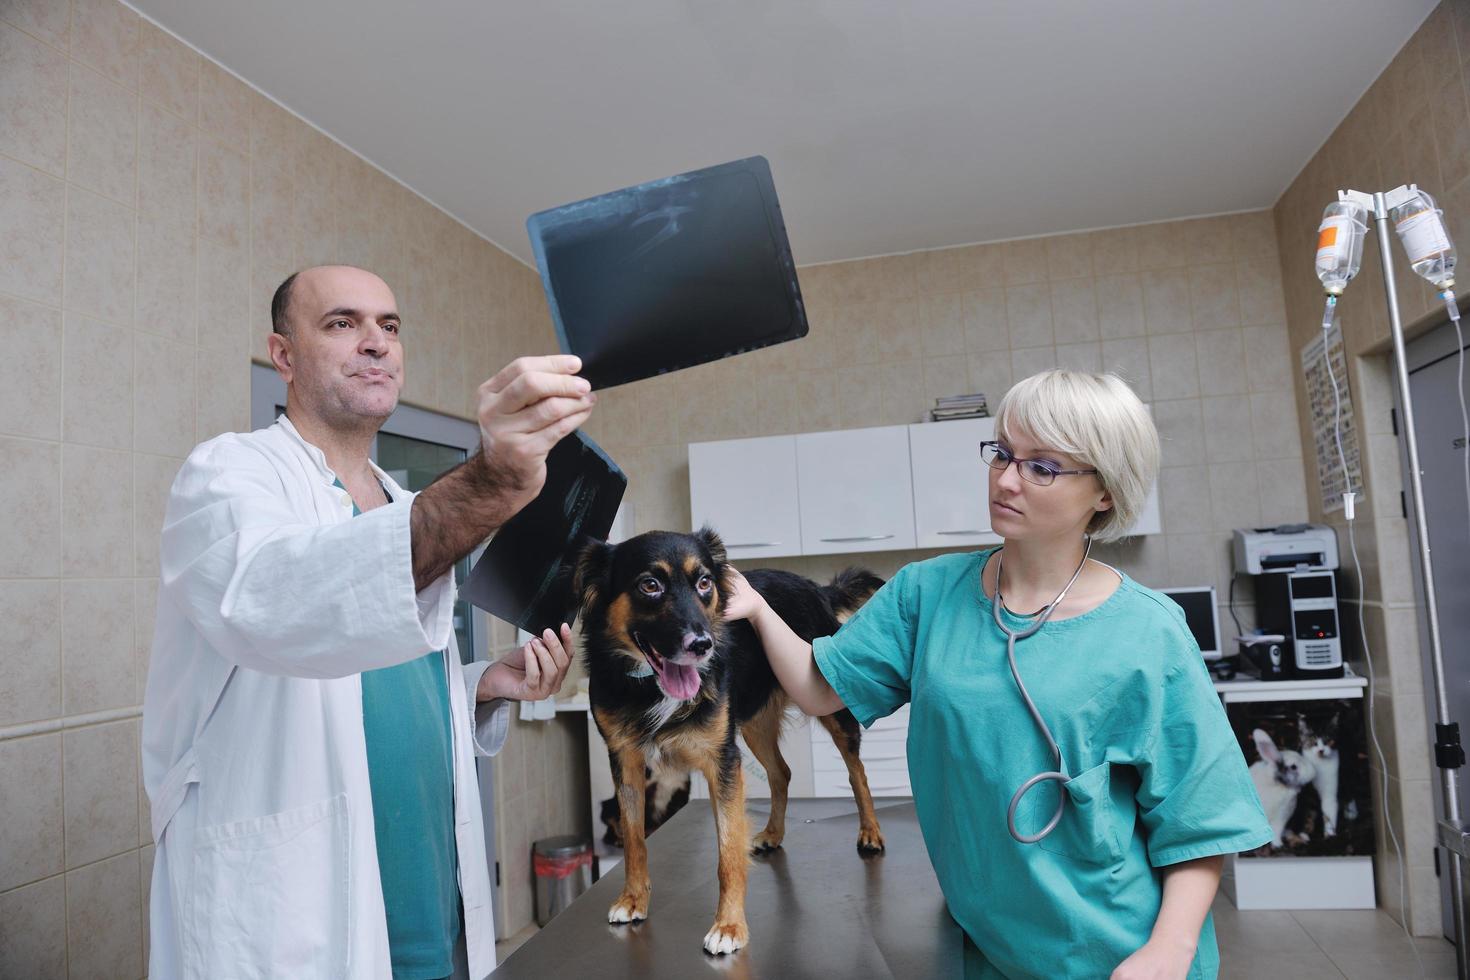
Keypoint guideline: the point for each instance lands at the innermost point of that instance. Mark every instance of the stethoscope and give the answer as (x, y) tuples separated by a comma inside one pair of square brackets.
[(1060, 773)]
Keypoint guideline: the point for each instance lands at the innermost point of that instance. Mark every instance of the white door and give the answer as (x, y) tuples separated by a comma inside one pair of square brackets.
[(1434, 385), (746, 489), (951, 483), (856, 490)]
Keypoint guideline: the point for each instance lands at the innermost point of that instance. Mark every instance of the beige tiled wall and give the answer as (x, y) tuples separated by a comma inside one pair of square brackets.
[(1412, 125), (149, 204), (1189, 312)]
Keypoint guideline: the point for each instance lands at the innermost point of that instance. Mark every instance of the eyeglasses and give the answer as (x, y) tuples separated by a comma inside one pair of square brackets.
[(1041, 472)]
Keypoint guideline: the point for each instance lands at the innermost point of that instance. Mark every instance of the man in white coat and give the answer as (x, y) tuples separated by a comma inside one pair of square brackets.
[(308, 730)]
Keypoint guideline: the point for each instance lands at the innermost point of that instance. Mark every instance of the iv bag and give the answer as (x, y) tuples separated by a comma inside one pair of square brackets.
[(1420, 225), (1340, 244)]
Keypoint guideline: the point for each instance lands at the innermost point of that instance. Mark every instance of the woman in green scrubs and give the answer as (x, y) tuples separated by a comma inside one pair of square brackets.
[(1159, 791)]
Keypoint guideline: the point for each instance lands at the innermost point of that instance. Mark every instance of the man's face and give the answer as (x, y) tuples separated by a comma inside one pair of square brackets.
[(342, 359)]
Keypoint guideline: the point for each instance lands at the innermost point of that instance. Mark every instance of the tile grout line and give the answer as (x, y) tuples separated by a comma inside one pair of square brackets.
[(1320, 948), (66, 871), (60, 504)]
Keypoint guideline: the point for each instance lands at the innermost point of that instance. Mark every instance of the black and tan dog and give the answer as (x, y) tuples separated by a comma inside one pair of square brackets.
[(672, 682)]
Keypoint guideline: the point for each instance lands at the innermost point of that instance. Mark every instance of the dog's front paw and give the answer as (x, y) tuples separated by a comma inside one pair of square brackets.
[(765, 842), (870, 841), (726, 937), (628, 908)]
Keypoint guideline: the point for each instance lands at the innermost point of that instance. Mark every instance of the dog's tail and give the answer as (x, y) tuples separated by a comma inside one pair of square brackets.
[(849, 590)]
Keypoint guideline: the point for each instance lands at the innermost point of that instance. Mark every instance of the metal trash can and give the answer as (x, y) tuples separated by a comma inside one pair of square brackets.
[(563, 867)]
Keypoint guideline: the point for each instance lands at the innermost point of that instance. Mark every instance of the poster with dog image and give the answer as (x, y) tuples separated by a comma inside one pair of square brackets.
[(1309, 763)]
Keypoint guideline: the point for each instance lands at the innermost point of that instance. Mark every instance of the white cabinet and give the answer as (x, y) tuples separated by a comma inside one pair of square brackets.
[(884, 751), (855, 490), (851, 491), (951, 483), (746, 489)]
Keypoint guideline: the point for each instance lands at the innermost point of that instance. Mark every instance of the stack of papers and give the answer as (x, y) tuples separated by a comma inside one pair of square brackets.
[(959, 407)]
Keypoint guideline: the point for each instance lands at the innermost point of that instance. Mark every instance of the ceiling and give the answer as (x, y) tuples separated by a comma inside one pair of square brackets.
[(890, 126)]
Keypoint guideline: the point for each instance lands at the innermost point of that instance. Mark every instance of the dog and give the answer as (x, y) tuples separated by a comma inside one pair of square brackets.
[(664, 795), (671, 682)]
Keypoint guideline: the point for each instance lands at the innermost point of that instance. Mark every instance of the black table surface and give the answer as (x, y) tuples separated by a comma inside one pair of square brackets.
[(816, 907)]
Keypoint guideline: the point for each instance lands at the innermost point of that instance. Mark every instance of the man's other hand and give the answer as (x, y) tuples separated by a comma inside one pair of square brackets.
[(533, 672)]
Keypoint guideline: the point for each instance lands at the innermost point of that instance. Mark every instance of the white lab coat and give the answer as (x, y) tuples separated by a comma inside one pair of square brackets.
[(273, 598)]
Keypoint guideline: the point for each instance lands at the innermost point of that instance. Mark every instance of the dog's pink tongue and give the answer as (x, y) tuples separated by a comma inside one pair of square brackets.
[(679, 680)]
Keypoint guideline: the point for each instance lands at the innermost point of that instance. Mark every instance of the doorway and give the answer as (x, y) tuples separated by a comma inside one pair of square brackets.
[(1434, 384)]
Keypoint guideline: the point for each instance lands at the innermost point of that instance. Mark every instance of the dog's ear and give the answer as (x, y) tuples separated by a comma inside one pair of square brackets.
[(589, 578), (723, 570), (712, 543)]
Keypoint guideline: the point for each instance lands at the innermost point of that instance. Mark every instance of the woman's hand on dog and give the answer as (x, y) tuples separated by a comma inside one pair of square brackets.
[(533, 672), (741, 601)]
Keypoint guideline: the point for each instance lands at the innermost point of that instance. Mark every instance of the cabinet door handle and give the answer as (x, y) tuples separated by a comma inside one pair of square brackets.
[(972, 531), (755, 544), (860, 537)]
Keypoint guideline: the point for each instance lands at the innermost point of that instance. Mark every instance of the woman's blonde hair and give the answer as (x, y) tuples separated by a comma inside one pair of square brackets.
[(1098, 420)]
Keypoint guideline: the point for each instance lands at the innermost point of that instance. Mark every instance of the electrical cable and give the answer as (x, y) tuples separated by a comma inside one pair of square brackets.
[(1238, 631), (1454, 312)]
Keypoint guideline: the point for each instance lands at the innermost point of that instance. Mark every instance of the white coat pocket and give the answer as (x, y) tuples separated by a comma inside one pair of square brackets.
[(270, 896), (1086, 830)]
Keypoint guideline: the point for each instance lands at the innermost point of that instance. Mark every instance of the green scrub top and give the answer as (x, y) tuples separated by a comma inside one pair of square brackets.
[(405, 722), (1157, 775)]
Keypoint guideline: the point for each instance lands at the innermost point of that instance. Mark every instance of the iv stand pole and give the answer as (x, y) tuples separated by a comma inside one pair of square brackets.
[(1451, 830)]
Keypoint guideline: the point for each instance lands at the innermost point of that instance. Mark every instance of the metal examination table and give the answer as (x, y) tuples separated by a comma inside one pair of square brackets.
[(816, 908)]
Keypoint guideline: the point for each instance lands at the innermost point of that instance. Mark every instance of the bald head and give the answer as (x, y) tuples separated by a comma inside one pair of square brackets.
[(313, 280), (281, 305)]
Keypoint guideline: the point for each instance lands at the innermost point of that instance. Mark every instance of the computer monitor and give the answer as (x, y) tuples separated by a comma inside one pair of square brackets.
[(1198, 603)]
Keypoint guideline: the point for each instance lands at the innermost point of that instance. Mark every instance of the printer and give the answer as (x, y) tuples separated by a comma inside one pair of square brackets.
[(1286, 548), (1294, 567)]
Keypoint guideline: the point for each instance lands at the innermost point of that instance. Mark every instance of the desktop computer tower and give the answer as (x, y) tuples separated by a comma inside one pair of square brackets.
[(1302, 606)]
